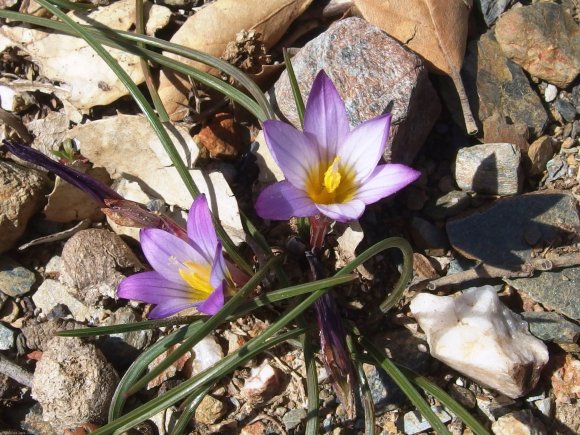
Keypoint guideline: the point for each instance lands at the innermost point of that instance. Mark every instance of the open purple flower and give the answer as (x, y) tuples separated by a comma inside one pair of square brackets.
[(187, 273), (329, 169)]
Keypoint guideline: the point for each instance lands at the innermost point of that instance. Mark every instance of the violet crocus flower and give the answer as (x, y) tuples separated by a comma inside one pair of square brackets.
[(187, 273), (329, 169)]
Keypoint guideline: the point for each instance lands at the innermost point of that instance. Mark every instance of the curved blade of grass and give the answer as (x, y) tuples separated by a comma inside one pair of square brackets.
[(209, 325), (366, 396), (74, 6), (189, 406), (449, 402), (188, 387), (142, 362), (313, 411), (245, 308), (404, 384), (108, 34), (140, 28), (153, 120), (298, 101)]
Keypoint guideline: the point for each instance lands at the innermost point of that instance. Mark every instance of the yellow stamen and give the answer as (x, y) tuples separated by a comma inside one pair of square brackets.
[(331, 183), (332, 176), (197, 276)]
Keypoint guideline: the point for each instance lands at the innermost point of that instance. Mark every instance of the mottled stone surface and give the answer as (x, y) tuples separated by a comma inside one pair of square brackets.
[(73, 383), (519, 423), (491, 168), (549, 326), (94, 263), (497, 85), (491, 9), (558, 290), (550, 49), (500, 235), (374, 74), (21, 194), (15, 280)]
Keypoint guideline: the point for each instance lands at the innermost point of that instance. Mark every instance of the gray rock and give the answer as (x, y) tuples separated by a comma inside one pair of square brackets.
[(6, 337), (74, 383), (15, 280), (38, 334), (405, 349), (413, 422), (448, 205), (491, 168), (427, 236), (491, 9), (551, 47), (22, 191), (496, 234), (545, 406), (293, 418), (501, 86), (94, 263), (566, 109), (550, 326), (52, 293), (374, 74), (558, 290)]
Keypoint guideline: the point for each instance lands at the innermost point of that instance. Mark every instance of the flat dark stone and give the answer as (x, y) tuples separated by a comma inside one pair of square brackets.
[(549, 326), (499, 235)]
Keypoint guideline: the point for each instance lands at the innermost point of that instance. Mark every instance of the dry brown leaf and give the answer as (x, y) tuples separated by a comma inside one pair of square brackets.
[(435, 29), (213, 27)]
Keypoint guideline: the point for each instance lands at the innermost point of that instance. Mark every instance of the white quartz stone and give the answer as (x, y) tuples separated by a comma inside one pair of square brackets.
[(480, 337)]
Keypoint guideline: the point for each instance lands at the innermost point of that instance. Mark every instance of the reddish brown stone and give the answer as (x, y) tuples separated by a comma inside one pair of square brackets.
[(223, 137), (550, 49)]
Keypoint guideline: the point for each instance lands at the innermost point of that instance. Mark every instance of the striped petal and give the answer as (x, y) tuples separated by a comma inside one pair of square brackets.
[(345, 212), (167, 254), (168, 309), (152, 288), (364, 146), (200, 229), (386, 180), (325, 116), (282, 200), (214, 302), (295, 152)]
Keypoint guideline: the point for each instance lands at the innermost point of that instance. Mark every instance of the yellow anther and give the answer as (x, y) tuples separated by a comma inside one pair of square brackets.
[(332, 176), (197, 276)]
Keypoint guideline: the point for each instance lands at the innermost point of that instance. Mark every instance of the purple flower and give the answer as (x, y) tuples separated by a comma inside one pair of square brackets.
[(328, 168), (187, 273)]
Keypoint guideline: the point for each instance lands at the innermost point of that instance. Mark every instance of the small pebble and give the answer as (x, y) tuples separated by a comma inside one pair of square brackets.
[(545, 406), (413, 422), (15, 280), (293, 418), (566, 109), (550, 93), (568, 143), (6, 337)]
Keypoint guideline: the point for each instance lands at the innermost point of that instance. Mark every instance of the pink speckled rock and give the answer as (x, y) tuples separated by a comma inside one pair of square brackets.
[(374, 74)]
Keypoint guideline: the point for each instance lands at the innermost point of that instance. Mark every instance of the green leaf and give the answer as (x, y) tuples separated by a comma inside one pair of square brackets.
[(294, 86)]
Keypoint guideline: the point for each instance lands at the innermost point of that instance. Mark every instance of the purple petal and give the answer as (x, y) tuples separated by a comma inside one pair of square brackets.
[(219, 270), (200, 228), (282, 200), (152, 288), (295, 152), (386, 180), (168, 309), (214, 302), (364, 146), (343, 212), (325, 116), (167, 253)]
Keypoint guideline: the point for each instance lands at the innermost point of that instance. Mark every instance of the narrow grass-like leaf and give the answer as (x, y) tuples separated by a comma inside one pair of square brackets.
[(73, 6), (128, 327), (107, 35), (366, 396), (449, 402), (140, 365), (188, 410), (140, 28), (313, 411), (153, 120), (188, 387), (405, 385), (298, 101)]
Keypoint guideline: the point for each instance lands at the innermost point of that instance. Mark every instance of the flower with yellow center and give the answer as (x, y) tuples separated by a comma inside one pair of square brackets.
[(187, 273), (329, 168)]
